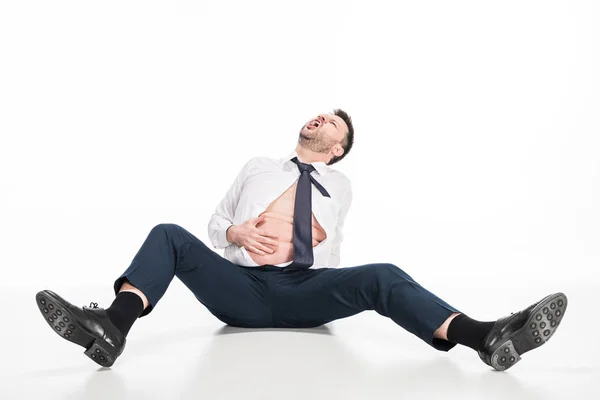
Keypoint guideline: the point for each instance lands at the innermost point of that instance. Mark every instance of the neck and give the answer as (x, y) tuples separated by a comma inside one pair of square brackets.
[(307, 156)]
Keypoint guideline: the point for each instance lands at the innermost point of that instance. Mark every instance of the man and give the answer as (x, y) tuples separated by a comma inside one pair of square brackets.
[(281, 225)]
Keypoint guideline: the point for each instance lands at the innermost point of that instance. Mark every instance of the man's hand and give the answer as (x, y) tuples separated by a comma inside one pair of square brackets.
[(253, 239)]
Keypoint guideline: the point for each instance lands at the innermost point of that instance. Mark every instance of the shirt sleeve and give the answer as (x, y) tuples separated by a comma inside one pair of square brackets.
[(225, 210), (334, 257)]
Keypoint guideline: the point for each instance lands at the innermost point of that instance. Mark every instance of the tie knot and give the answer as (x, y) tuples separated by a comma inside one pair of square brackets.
[(302, 166)]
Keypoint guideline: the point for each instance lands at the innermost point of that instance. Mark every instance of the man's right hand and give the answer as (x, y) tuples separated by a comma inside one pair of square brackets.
[(256, 240)]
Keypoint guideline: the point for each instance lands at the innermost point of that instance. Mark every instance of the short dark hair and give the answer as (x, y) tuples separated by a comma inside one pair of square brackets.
[(348, 140)]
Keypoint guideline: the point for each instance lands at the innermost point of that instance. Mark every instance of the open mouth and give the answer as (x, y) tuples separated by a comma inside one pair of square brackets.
[(313, 125)]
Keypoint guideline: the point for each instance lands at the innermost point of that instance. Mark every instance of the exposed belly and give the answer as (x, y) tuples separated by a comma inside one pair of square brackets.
[(279, 220)]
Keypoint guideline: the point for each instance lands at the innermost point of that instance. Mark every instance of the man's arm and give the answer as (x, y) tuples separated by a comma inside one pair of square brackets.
[(222, 219), (334, 257)]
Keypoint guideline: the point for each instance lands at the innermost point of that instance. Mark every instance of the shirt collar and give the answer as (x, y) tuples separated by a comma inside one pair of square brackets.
[(320, 166)]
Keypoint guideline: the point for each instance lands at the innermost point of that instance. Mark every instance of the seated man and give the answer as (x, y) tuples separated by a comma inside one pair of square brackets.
[(282, 241)]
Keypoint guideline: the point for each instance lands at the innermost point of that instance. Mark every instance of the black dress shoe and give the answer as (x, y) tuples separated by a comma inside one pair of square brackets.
[(515, 334), (89, 327)]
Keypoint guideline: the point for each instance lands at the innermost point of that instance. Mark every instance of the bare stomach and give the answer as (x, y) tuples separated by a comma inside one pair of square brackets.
[(282, 226)]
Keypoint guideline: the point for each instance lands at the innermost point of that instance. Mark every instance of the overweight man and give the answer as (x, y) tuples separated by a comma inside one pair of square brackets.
[(281, 224)]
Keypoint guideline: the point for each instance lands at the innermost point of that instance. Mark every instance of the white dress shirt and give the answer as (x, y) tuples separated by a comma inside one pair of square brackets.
[(262, 180)]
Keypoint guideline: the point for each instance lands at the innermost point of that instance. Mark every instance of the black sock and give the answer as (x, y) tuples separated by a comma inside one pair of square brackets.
[(468, 332), (124, 310)]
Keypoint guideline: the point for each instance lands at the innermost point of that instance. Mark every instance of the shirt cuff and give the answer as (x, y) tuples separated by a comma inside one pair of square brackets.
[(222, 241)]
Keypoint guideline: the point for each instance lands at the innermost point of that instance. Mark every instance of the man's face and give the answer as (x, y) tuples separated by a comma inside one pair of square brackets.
[(323, 132)]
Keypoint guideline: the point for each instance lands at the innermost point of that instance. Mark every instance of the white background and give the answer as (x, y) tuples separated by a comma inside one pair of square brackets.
[(475, 168)]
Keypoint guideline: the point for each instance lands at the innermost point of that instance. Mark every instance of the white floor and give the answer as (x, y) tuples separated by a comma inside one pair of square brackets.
[(181, 351)]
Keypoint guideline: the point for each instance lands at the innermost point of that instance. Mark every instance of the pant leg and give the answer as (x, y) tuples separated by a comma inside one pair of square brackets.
[(314, 297), (233, 294)]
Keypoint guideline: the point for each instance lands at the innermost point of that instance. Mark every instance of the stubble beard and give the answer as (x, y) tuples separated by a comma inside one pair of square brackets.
[(315, 142)]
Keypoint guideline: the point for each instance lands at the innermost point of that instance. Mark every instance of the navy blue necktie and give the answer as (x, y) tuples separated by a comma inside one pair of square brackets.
[(303, 249)]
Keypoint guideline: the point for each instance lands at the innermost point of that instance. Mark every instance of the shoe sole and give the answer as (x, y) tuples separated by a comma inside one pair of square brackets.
[(541, 325), (67, 326)]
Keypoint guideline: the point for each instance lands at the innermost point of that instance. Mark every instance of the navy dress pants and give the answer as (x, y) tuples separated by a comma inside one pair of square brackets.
[(270, 297)]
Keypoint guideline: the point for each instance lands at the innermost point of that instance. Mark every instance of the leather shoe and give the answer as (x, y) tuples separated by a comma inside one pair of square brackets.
[(515, 334), (89, 327)]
